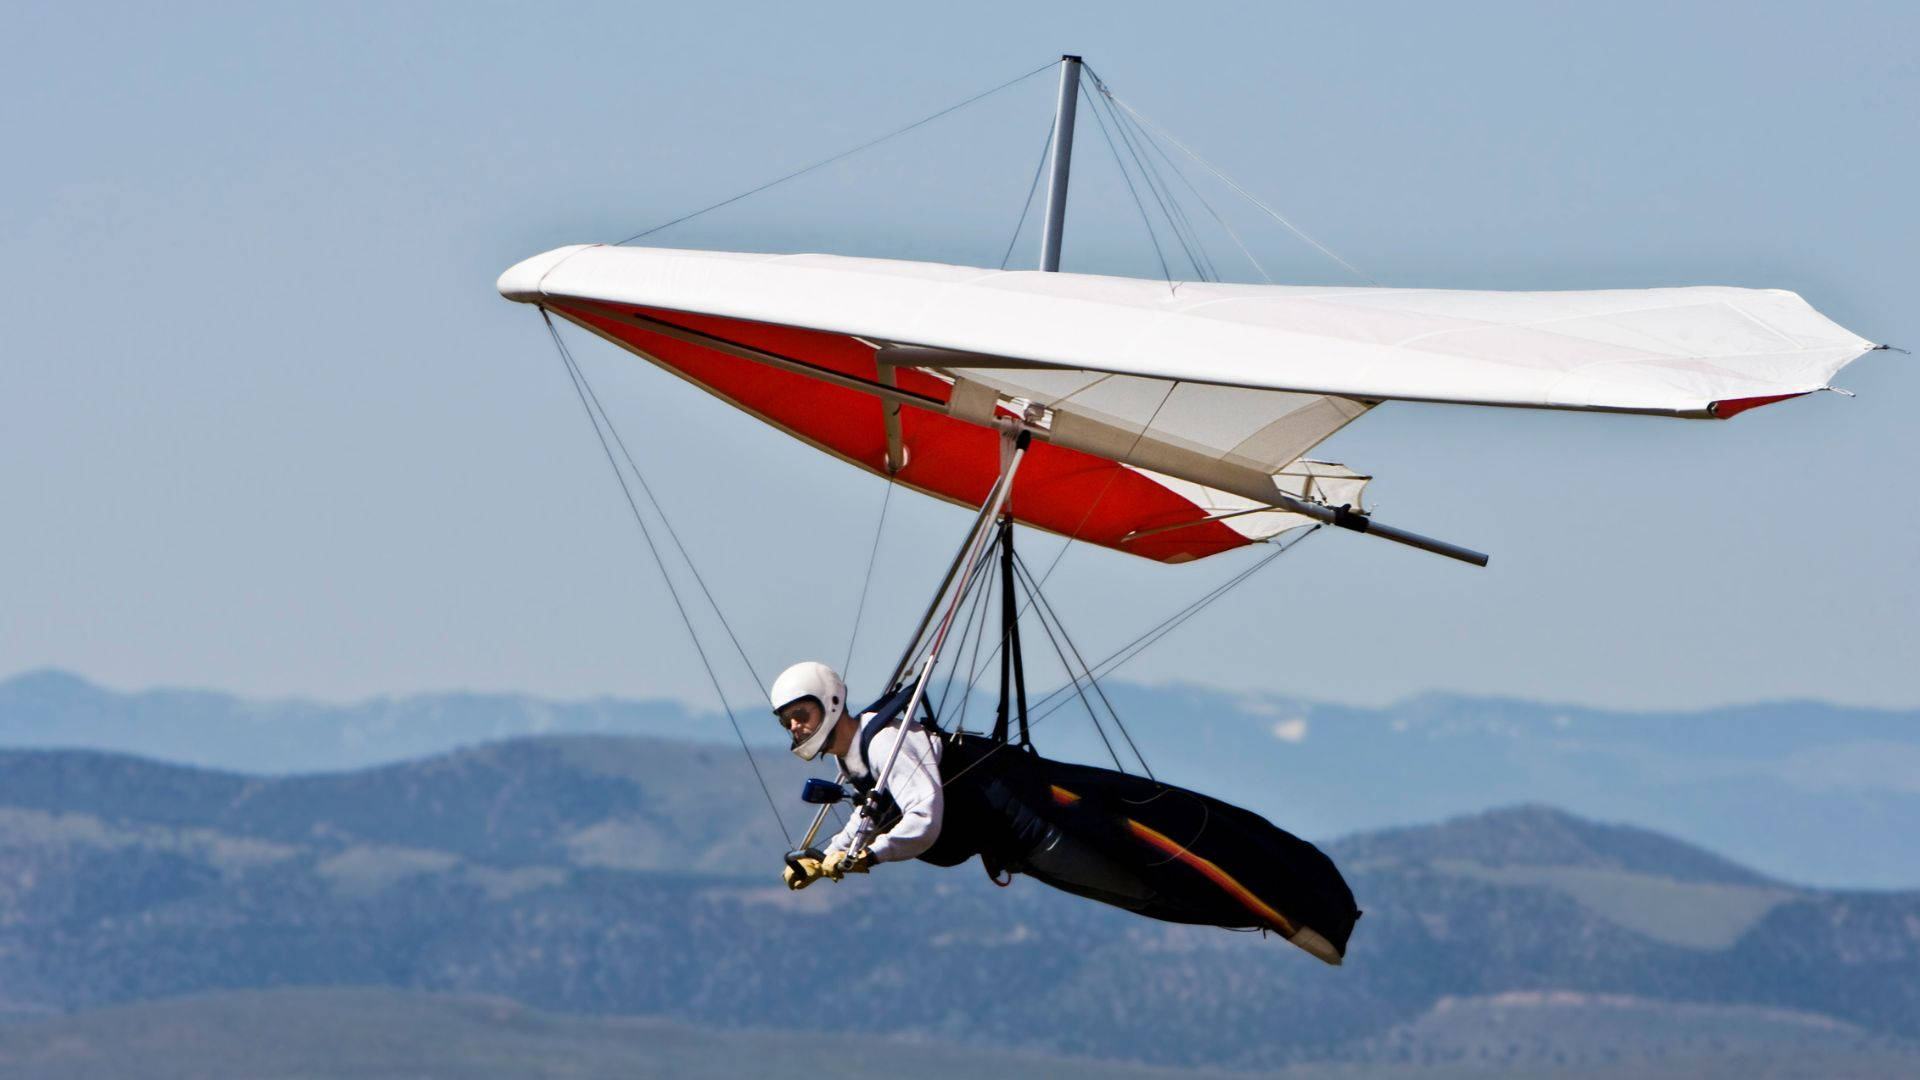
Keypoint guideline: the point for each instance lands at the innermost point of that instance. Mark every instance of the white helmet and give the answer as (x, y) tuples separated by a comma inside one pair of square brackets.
[(812, 679)]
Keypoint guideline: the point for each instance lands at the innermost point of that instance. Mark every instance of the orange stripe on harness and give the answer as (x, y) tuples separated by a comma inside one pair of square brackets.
[(1214, 874)]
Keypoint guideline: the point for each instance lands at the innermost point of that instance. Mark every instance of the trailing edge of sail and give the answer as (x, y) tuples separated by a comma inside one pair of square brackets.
[(1173, 412)]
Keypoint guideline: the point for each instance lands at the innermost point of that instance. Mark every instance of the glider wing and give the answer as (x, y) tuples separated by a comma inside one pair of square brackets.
[(1173, 415)]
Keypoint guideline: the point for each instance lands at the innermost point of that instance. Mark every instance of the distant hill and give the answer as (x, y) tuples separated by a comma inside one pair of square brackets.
[(1771, 786), (602, 875), (56, 709), (1538, 836)]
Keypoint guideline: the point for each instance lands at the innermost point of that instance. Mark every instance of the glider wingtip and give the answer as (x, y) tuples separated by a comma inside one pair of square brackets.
[(522, 281), (1732, 407)]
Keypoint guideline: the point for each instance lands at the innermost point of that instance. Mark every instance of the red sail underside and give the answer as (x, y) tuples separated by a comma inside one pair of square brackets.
[(1064, 491), (1731, 407)]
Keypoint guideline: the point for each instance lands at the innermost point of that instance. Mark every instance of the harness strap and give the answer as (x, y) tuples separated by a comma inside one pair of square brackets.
[(879, 715), (1013, 674)]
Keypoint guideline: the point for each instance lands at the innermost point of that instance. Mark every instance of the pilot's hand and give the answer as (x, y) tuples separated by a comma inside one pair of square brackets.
[(801, 872), (838, 864)]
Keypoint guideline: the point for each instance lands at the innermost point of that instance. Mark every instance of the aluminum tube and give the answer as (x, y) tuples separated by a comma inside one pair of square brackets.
[(1062, 161), (868, 827), (959, 560)]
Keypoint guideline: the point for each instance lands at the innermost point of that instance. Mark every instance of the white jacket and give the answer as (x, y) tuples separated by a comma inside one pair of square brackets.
[(915, 784)]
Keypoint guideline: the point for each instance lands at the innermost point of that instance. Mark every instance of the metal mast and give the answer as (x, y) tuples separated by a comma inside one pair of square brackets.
[(1062, 158)]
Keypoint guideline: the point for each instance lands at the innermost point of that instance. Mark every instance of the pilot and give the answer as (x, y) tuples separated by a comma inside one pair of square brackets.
[(810, 701)]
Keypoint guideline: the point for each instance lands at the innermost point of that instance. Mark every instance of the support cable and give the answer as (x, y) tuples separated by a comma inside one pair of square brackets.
[(983, 603), (1141, 643), (974, 614), (672, 533), (1176, 220), (1098, 727), (1046, 611), (919, 641), (873, 557), (1137, 140), (1048, 66), (975, 629), (1119, 657), (1181, 174), (1232, 183), (1137, 202), (1112, 476), (976, 598), (1173, 622), (1027, 207), (583, 391), (923, 644)]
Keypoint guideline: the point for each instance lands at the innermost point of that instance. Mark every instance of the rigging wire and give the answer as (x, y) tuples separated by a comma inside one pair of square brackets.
[(842, 154), (1141, 643), (1128, 177), (1173, 622), (1231, 182), (1146, 640), (923, 644), (587, 401), (873, 556), (672, 533), (989, 586), (975, 663), (1027, 207), (1135, 137), (1046, 612), (1167, 625), (971, 571), (1112, 476), (1098, 727), (1180, 173), (974, 614), (1188, 242)]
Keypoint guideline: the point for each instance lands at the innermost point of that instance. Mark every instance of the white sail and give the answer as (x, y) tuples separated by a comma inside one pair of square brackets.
[(1685, 352)]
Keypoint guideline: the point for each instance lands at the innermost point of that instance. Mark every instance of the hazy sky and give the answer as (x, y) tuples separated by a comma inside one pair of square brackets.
[(265, 424)]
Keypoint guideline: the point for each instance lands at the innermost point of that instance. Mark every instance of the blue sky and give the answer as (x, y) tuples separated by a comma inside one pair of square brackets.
[(265, 425)]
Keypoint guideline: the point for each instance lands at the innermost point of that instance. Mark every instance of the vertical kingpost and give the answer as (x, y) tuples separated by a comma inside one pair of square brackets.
[(1062, 159)]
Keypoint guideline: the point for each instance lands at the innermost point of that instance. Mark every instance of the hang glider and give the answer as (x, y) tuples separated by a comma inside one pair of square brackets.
[(1173, 420), (1168, 420)]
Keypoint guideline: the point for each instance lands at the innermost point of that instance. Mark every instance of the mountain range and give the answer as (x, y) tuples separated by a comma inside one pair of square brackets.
[(1805, 792), (617, 876)]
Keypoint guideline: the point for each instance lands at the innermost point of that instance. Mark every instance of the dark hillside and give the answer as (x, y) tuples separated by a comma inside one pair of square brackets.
[(592, 875)]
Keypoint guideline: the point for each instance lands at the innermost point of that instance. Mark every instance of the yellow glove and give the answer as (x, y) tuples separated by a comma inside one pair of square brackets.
[(807, 874), (838, 864)]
